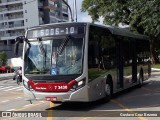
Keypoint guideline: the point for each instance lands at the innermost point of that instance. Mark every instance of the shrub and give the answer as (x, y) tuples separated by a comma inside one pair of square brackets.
[(3, 58)]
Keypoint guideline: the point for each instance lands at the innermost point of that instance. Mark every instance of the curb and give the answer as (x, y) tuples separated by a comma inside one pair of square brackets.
[(155, 70)]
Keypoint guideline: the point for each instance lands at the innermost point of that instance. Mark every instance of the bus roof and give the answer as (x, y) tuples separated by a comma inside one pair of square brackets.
[(123, 32), (114, 30)]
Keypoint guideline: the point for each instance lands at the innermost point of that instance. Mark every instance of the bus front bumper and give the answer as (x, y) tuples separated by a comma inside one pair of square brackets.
[(80, 95)]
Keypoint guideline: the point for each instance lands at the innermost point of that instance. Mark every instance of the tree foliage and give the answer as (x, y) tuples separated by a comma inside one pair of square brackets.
[(3, 58), (143, 16)]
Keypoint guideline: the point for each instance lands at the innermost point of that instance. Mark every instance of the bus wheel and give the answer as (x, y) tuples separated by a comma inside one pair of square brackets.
[(108, 93)]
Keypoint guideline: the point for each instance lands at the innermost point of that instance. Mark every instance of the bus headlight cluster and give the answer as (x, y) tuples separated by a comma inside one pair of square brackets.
[(78, 85)]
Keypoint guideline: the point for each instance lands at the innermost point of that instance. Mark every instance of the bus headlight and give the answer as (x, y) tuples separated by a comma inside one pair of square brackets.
[(78, 85), (27, 86)]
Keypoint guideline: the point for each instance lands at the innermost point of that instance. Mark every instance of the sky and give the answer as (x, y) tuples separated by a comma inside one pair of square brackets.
[(84, 17), (81, 16)]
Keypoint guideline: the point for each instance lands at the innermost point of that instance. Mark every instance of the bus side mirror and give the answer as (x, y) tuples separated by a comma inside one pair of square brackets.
[(16, 46)]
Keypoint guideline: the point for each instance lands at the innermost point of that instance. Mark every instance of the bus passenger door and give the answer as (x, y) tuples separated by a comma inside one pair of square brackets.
[(134, 62), (119, 54), (129, 63)]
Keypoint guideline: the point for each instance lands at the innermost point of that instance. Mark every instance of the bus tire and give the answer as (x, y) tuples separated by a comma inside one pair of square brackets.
[(140, 79), (108, 92)]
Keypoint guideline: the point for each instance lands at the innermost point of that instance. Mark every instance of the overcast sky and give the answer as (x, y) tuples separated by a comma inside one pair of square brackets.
[(82, 17)]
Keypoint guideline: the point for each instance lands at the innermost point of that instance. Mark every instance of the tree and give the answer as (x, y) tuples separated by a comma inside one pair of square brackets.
[(3, 58), (142, 16)]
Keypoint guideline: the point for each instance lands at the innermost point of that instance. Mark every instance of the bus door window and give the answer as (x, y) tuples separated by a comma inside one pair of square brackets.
[(143, 56), (101, 53), (129, 60), (134, 63), (94, 52), (120, 57)]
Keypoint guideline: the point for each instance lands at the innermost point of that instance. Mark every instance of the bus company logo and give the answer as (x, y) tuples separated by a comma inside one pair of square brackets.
[(40, 88), (50, 87)]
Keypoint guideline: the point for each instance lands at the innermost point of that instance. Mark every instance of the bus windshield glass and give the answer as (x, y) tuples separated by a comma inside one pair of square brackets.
[(54, 56)]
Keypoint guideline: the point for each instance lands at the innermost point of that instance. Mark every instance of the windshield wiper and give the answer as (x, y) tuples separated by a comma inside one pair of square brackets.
[(63, 44), (41, 47), (27, 41)]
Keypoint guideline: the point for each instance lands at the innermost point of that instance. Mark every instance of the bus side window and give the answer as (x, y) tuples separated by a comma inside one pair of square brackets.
[(96, 53)]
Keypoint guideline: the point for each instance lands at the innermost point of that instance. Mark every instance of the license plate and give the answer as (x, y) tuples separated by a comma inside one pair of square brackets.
[(51, 98)]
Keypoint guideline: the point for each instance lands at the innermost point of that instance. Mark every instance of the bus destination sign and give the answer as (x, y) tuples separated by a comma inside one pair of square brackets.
[(52, 31)]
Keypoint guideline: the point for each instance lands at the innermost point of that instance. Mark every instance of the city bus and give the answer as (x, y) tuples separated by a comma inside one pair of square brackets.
[(82, 62)]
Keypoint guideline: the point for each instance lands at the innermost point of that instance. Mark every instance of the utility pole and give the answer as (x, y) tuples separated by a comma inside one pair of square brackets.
[(69, 10), (76, 9), (61, 14)]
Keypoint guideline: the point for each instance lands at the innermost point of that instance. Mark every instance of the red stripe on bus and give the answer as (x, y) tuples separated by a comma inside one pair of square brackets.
[(52, 87)]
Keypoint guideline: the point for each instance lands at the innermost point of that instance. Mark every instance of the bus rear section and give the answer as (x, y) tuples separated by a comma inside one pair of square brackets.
[(117, 59)]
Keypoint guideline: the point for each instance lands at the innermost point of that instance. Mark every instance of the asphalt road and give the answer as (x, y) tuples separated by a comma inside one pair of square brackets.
[(146, 100)]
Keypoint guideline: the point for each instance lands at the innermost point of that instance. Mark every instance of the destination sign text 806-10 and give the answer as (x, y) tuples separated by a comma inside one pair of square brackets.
[(52, 31)]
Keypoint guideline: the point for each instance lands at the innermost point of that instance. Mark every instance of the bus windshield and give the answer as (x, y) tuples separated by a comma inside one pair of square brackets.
[(58, 56)]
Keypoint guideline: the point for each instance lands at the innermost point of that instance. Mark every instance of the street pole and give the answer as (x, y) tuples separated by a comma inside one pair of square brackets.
[(69, 10), (76, 9), (61, 14), (73, 10)]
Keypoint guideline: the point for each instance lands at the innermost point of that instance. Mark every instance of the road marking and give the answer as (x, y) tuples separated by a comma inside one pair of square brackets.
[(19, 89), (11, 98), (33, 105), (120, 105), (86, 118), (127, 109), (51, 104), (28, 105), (10, 110), (4, 101), (18, 98), (6, 87), (13, 88), (135, 96), (18, 92), (50, 112)]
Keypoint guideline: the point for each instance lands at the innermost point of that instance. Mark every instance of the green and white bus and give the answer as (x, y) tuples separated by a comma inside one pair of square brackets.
[(82, 62)]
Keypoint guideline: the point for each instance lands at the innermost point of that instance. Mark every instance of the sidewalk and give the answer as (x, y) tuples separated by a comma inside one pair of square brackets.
[(4, 76), (155, 70)]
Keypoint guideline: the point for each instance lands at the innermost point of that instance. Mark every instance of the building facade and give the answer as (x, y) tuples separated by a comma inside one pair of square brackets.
[(18, 15)]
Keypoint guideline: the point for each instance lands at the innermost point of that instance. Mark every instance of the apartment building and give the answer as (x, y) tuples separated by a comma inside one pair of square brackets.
[(18, 15)]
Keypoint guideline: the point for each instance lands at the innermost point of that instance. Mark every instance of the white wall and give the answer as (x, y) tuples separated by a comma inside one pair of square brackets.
[(14, 62), (32, 15)]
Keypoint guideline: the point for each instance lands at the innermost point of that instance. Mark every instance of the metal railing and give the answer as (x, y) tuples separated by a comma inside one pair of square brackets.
[(12, 34), (12, 26)]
